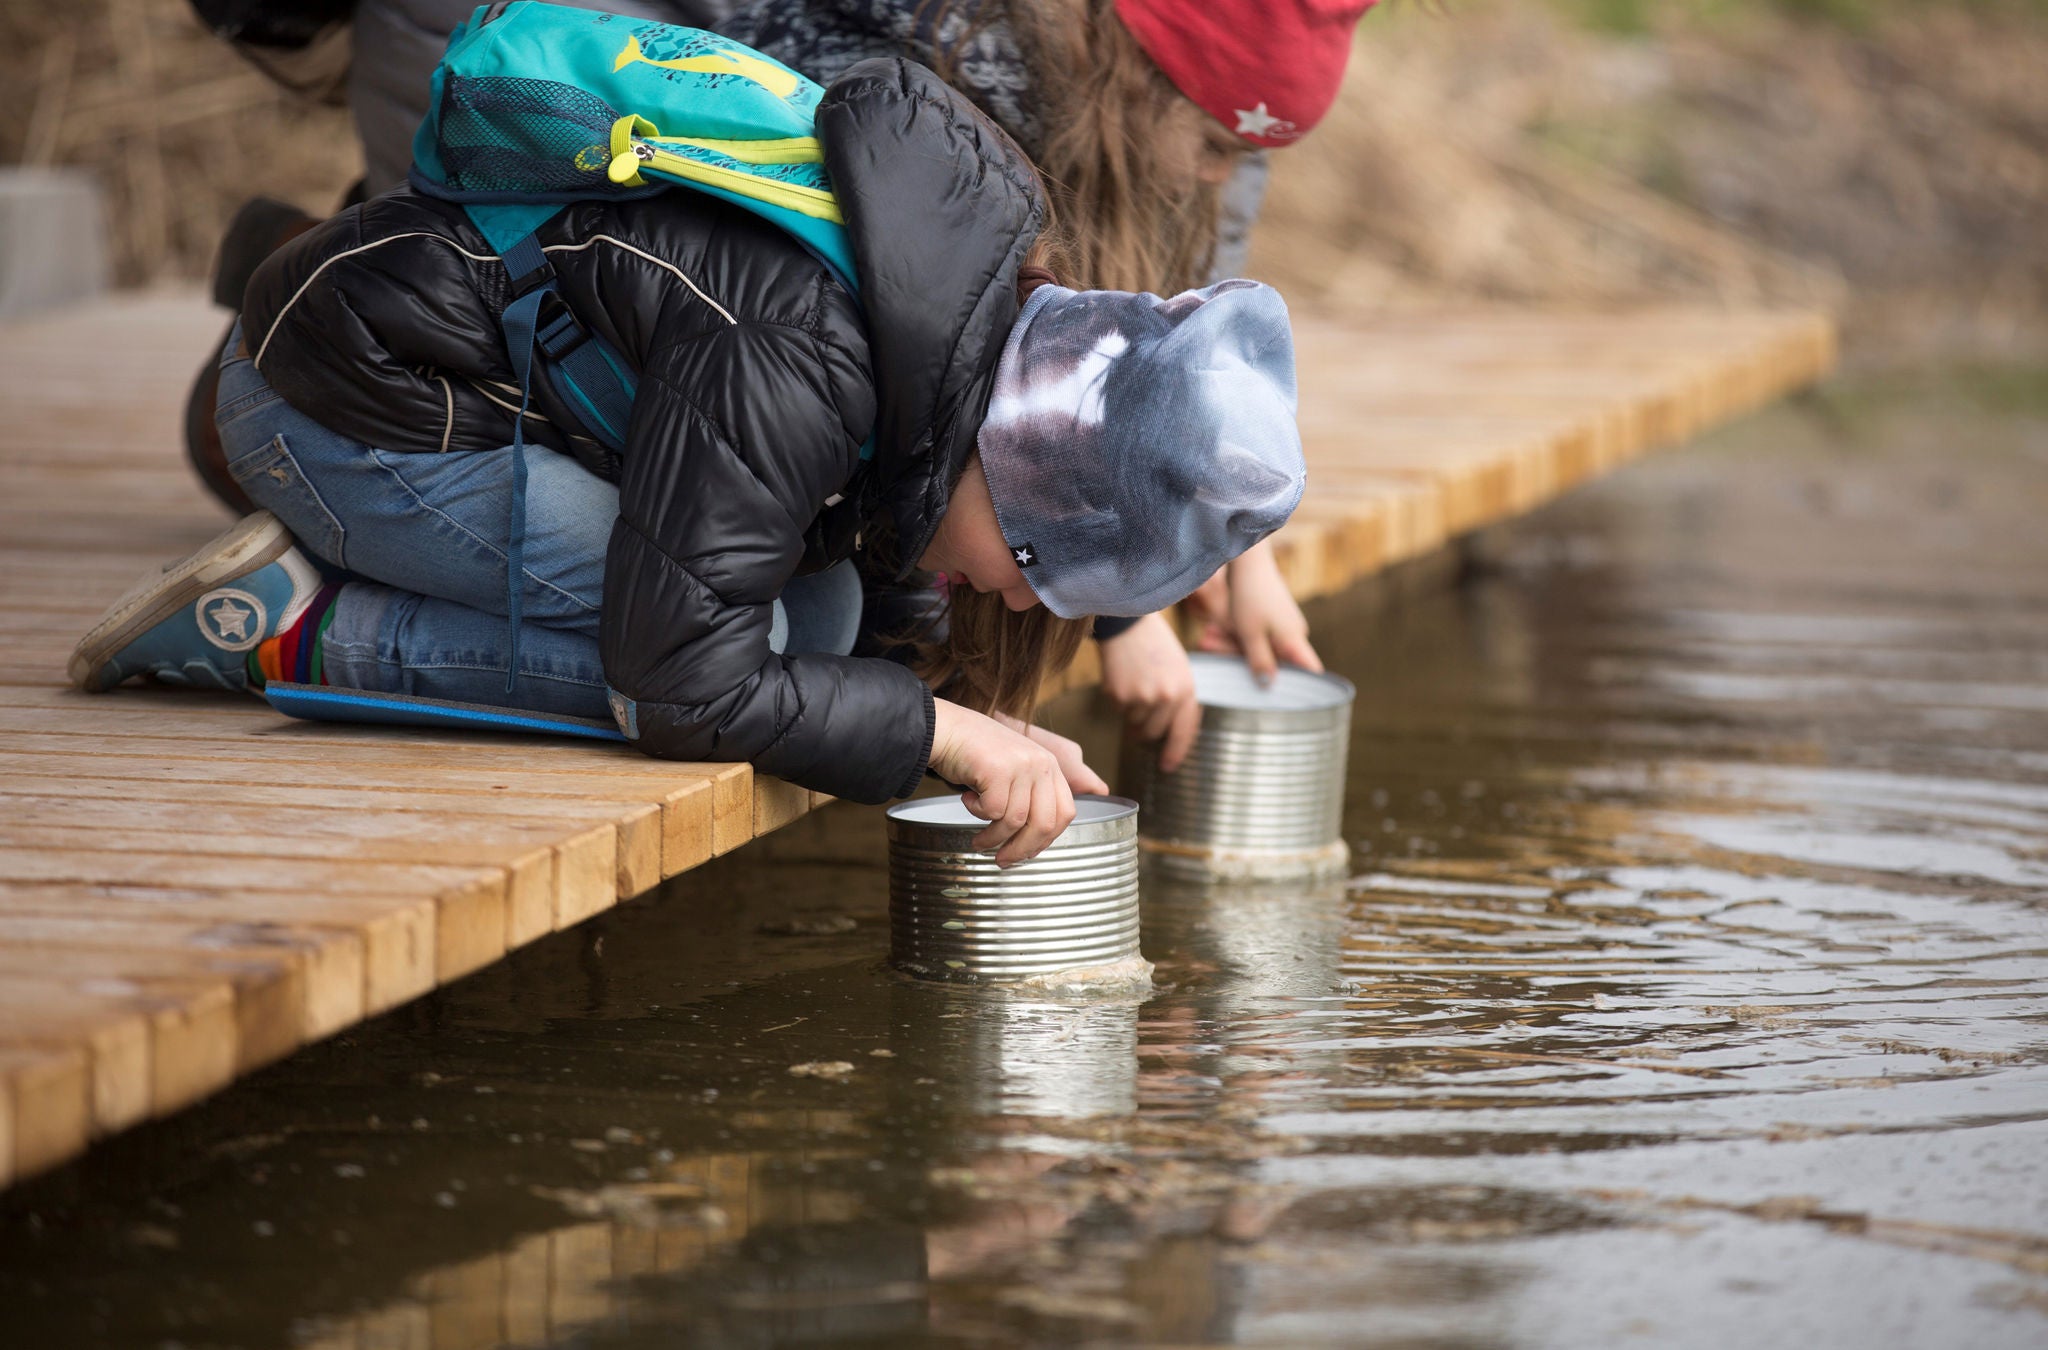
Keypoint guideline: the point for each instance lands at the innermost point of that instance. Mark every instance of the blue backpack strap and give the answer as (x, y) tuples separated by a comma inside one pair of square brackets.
[(591, 379), (533, 280), (587, 375)]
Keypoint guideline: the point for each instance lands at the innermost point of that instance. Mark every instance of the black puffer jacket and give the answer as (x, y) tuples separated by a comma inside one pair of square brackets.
[(759, 380)]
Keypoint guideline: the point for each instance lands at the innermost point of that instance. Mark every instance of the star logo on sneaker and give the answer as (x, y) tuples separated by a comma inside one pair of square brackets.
[(1025, 555), (231, 619)]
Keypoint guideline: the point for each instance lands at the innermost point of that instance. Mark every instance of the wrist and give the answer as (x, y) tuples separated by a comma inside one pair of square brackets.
[(1256, 558), (945, 728)]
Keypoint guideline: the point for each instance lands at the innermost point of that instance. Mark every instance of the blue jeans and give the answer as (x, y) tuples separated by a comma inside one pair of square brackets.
[(422, 538)]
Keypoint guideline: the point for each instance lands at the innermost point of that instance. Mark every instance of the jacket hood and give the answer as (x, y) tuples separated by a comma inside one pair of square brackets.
[(941, 207)]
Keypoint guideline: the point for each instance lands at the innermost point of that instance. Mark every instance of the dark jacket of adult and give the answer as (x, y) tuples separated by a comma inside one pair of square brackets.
[(760, 377)]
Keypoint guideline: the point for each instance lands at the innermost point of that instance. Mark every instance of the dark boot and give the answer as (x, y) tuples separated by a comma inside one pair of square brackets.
[(258, 230)]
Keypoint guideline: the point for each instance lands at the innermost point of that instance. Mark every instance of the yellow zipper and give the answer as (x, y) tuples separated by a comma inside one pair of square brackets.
[(632, 152)]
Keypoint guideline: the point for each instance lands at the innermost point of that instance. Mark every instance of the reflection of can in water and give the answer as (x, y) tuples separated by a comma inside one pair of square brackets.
[(1067, 1061), (955, 915), (1261, 796), (1009, 1051)]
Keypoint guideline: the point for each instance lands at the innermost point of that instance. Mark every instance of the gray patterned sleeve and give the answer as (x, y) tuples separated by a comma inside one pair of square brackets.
[(1239, 209)]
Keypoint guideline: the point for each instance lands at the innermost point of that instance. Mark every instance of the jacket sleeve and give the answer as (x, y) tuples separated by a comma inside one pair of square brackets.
[(738, 437), (361, 323), (1109, 626)]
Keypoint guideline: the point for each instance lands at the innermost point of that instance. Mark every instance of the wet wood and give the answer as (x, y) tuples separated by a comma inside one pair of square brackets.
[(192, 885)]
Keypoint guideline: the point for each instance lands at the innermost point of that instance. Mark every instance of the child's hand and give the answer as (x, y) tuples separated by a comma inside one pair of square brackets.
[(1080, 777), (1013, 782), (1260, 620), (1145, 672)]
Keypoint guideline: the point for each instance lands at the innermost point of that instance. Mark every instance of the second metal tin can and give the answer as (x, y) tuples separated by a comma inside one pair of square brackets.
[(1261, 796), (954, 915)]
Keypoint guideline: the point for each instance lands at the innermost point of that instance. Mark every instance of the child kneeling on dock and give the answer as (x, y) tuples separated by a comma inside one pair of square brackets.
[(1096, 453)]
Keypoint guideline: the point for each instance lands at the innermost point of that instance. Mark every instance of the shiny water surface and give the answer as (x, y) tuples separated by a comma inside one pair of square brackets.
[(1688, 990)]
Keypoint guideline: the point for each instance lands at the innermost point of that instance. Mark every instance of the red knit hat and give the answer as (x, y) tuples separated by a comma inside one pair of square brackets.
[(1267, 69)]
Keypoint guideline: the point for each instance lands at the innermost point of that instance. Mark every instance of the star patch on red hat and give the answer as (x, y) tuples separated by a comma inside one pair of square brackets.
[(1266, 69)]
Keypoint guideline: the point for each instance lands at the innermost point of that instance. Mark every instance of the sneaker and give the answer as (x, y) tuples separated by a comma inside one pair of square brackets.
[(196, 622)]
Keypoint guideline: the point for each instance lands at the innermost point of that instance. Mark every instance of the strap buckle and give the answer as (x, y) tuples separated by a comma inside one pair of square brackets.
[(556, 330), (526, 283), (527, 267)]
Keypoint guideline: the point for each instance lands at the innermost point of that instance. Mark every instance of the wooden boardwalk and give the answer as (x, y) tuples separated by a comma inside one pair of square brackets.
[(192, 886)]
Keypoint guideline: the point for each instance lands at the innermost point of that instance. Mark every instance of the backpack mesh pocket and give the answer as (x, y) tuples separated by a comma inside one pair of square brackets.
[(526, 136)]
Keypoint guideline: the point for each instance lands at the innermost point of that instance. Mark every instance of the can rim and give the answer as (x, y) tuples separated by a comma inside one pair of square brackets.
[(1225, 684), (1097, 818)]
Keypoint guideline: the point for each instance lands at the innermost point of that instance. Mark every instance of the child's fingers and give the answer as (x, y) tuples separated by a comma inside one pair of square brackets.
[(1034, 833), (1051, 810), (1180, 735), (1072, 763), (1258, 654), (1296, 650), (1002, 831), (1217, 638), (998, 803)]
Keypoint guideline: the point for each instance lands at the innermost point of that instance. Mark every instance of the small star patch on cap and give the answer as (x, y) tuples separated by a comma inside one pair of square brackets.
[(1024, 555)]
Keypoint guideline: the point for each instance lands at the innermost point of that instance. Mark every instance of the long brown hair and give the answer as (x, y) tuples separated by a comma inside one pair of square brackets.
[(1132, 165), (994, 658)]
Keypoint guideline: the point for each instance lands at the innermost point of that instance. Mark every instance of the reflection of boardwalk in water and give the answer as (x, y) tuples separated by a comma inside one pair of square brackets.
[(194, 887), (592, 1276)]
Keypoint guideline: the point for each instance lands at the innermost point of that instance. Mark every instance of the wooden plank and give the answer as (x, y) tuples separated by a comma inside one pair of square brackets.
[(327, 963), (776, 803), (682, 833), (638, 823), (154, 1048), (45, 1107), (396, 935), (264, 993), (469, 903), (546, 872)]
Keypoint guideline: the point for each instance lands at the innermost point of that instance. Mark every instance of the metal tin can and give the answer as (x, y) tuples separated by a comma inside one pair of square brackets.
[(1261, 796), (955, 915)]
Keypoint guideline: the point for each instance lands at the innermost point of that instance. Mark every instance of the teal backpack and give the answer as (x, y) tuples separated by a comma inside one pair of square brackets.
[(535, 106)]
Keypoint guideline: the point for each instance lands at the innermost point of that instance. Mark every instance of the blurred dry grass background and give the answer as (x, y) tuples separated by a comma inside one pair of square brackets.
[(1887, 159), (179, 128)]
